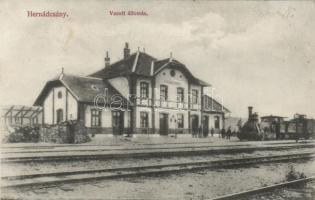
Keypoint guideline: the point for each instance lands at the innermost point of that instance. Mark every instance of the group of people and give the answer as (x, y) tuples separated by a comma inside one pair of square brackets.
[(226, 134), (222, 133), (199, 133)]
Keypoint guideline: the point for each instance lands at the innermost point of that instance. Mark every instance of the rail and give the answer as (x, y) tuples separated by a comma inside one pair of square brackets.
[(263, 189), (112, 173), (140, 153)]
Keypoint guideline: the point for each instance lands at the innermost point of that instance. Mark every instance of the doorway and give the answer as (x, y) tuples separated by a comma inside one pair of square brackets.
[(163, 124), (59, 116), (205, 126), (118, 122), (194, 124)]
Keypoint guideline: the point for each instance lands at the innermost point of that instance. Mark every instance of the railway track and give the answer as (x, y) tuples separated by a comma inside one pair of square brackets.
[(117, 149), (50, 179), (140, 153), (101, 148), (244, 194)]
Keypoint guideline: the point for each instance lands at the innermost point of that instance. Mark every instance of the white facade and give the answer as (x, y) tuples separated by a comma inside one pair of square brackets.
[(173, 79), (165, 98), (59, 98)]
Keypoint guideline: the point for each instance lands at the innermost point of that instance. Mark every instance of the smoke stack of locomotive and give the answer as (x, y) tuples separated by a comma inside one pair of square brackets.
[(250, 129)]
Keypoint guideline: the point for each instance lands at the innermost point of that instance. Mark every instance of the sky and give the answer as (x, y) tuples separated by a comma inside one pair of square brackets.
[(253, 53)]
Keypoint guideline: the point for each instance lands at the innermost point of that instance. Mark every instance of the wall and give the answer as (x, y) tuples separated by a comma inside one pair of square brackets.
[(106, 121), (172, 116), (121, 84), (48, 108), (52, 103), (106, 118), (173, 82), (212, 118), (172, 108)]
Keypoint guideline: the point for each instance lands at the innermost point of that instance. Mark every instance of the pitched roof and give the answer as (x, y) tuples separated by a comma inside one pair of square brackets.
[(159, 64), (140, 63), (176, 64), (83, 89), (213, 105), (124, 66), (143, 66)]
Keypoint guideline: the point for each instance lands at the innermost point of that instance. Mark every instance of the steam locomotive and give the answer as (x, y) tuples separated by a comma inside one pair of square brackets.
[(276, 127)]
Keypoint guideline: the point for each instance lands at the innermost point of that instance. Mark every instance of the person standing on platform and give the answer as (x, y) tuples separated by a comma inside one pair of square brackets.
[(228, 133), (223, 133)]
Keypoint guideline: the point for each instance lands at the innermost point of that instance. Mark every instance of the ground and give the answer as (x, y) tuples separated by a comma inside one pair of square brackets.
[(201, 184)]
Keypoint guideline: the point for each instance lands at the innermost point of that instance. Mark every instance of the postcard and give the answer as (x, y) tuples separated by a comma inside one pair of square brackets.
[(154, 99)]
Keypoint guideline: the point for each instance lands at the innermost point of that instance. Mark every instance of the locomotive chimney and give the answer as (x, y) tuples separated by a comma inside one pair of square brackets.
[(250, 112), (126, 50), (107, 60)]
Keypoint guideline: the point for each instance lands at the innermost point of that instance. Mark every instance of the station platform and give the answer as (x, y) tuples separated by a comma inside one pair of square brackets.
[(152, 140), (104, 145)]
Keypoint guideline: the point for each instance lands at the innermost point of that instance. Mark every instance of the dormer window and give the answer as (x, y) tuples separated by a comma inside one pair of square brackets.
[(94, 87), (59, 95)]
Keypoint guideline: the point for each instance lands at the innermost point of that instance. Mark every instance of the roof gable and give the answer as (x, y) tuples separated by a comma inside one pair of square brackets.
[(119, 68), (140, 63), (143, 66), (213, 105), (84, 89), (180, 66)]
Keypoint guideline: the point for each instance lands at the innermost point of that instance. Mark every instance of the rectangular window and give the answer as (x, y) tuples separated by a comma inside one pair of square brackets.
[(163, 92), (194, 96), (180, 95), (96, 118), (180, 121), (144, 120), (144, 90)]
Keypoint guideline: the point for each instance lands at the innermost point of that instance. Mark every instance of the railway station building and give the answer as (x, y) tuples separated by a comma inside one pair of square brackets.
[(138, 94)]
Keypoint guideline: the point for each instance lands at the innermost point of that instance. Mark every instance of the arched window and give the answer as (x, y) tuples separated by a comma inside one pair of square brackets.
[(217, 122), (59, 95), (59, 116)]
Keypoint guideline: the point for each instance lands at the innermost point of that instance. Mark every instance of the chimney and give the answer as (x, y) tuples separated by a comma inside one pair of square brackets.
[(107, 60), (250, 112), (126, 50)]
